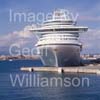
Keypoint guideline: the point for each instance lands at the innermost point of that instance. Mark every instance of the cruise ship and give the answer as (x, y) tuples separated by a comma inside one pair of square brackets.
[(59, 43)]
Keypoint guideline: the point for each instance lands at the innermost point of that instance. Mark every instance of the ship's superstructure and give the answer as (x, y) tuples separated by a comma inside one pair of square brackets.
[(59, 40)]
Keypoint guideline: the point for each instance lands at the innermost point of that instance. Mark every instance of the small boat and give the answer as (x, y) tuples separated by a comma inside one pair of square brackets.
[(10, 60)]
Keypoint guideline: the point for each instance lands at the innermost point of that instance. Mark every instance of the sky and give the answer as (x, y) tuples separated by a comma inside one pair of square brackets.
[(15, 32)]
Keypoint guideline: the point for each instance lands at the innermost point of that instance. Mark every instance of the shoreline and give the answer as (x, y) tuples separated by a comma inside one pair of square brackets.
[(20, 57)]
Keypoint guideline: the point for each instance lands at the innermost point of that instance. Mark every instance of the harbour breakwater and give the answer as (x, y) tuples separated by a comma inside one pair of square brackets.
[(90, 69)]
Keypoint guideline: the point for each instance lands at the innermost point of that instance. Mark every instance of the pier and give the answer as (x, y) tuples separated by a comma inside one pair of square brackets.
[(89, 69)]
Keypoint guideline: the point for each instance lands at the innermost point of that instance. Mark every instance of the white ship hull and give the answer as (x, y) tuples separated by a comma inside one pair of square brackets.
[(60, 55)]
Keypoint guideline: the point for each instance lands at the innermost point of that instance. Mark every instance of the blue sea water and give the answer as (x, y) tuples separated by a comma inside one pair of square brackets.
[(8, 92)]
